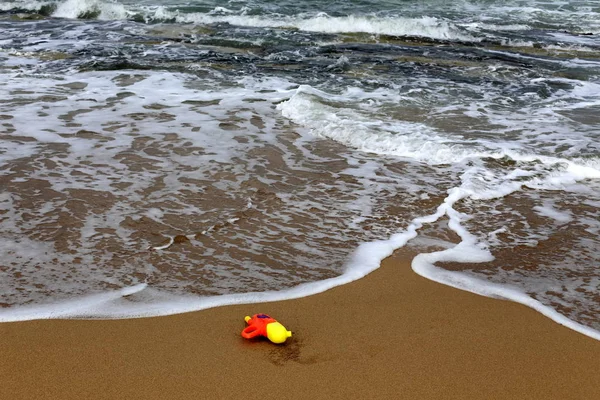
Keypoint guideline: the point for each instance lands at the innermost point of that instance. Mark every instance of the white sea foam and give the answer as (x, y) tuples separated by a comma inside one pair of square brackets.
[(469, 250), (425, 26), (428, 26), (366, 259), (23, 5), (424, 265), (394, 26), (116, 305), (551, 212), (221, 10), (416, 141), (476, 26), (352, 128), (531, 156), (104, 9), (347, 125)]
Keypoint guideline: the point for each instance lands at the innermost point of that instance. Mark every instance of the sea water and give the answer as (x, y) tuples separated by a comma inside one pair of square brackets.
[(165, 156)]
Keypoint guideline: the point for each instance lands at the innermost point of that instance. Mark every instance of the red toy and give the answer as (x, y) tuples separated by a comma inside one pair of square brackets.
[(263, 325)]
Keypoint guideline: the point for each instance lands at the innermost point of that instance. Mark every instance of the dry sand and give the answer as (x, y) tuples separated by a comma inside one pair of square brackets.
[(391, 335)]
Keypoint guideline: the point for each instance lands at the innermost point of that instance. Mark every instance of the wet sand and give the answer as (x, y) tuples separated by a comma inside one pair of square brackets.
[(391, 335)]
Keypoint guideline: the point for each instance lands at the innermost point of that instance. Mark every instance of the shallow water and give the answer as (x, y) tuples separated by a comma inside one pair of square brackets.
[(155, 153)]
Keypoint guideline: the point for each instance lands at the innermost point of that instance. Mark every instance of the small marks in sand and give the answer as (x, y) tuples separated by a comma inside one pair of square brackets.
[(283, 354), (291, 351)]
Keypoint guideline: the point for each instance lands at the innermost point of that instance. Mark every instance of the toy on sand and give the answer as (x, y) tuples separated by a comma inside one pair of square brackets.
[(263, 325)]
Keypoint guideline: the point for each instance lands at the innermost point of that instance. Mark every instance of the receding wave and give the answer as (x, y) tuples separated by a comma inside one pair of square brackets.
[(417, 141), (184, 155)]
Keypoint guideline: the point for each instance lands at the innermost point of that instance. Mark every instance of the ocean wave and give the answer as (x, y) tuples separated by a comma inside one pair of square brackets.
[(430, 27), (349, 127), (309, 107), (28, 6), (424, 26), (427, 25), (74, 9), (393, 26), (91, 9)]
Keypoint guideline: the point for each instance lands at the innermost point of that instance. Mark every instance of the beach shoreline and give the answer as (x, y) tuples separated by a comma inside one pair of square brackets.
[(392, 334)]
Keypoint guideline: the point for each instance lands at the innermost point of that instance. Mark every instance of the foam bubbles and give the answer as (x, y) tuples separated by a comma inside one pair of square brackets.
[(100, 9), (482, 179), (251, 153), (425, 26), (350, 127)]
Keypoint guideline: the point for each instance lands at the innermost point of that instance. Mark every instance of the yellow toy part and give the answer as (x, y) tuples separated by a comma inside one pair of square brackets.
[(277, 332), (263, 325)]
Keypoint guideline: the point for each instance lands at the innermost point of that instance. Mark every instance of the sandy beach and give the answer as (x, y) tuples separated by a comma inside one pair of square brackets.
[(169, 151), (391, 335)]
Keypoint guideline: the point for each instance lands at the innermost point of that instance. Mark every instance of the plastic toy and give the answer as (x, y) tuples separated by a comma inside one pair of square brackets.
[(263, 325)]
